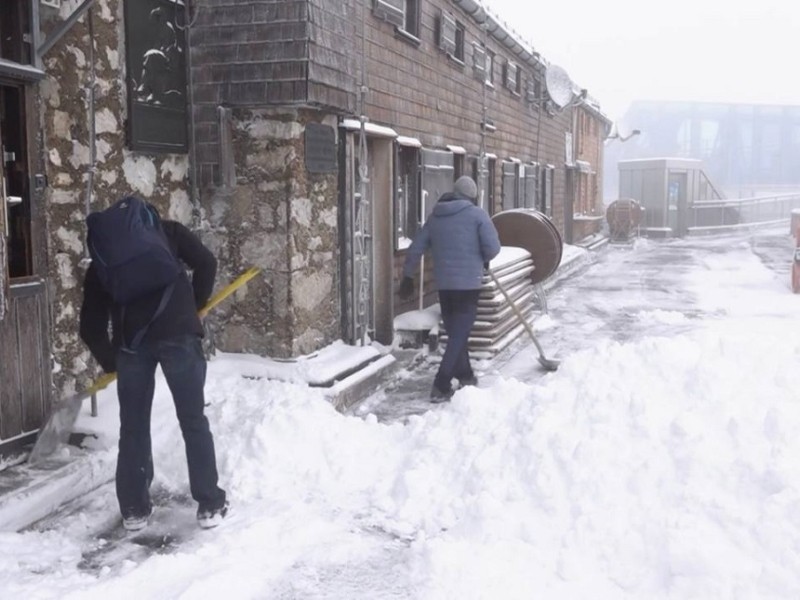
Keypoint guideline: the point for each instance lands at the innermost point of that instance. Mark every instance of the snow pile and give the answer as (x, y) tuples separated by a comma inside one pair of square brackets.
[(661, 468)]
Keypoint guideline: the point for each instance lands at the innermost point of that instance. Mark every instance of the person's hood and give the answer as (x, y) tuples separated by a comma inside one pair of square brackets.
[(451, 204)]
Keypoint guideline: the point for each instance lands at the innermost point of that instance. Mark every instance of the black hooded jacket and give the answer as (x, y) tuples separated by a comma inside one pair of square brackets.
[(179, 316)]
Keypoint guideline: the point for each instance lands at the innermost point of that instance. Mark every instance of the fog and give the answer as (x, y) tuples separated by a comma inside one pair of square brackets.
[(626, 50)]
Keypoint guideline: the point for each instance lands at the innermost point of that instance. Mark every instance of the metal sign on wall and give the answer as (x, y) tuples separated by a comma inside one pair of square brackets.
[(156, 60), (320, 141)]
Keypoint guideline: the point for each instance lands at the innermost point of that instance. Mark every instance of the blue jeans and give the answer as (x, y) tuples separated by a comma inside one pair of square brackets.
[(184, 368), (459, 310)]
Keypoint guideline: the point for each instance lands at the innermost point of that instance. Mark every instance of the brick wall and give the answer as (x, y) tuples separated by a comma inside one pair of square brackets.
[(590, 132)]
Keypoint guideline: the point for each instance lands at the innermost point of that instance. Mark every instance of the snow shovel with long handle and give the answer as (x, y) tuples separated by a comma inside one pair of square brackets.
[(62, 419), (548, 363)]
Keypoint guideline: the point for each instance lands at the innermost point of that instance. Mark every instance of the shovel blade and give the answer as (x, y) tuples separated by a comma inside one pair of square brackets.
[(548, 363), (58, 428)]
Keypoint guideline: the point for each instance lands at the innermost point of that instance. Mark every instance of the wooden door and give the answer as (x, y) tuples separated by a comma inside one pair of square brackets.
[(25, 372)]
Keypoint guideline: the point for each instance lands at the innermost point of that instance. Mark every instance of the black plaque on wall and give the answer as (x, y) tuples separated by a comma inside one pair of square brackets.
[(156, 63), (320, 148)]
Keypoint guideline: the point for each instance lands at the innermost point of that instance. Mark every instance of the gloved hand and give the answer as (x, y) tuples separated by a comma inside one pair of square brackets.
[(406, 290)]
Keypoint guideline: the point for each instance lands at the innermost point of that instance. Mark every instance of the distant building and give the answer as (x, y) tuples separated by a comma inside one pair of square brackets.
[(747, 149)]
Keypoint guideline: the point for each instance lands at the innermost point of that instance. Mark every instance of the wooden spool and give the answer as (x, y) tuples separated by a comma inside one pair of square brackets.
[(624, 217)]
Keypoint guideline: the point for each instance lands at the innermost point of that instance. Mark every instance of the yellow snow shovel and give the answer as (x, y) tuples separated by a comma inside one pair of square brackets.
[(63, 416)]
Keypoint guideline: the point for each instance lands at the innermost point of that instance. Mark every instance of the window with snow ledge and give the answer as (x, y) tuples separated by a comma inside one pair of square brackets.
[(483, 63), (403, 14), (512, 79), (450, 37)]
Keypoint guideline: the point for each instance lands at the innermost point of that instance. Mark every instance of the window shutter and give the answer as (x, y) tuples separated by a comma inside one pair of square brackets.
[(511, 76), (510, 197), (531, 91), (547, 190), (531, 186), (478, 60), (447, 33), (437, 177), (391, 11)]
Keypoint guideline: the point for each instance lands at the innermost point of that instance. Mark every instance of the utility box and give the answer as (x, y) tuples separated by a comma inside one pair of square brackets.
[(667, 189)]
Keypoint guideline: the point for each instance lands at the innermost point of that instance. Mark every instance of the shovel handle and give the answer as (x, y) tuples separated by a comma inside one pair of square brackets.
[(514, 307), (228, 290), (547, 363), (104, 381), (101, 383)]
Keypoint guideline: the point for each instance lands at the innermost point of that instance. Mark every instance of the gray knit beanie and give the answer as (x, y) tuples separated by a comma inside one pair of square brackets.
[(465, 186)]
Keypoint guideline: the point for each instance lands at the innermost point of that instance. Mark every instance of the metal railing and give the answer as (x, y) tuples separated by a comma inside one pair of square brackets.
[(709, 216)]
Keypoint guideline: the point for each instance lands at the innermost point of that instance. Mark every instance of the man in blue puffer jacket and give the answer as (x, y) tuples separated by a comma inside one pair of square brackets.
[(463, 240)]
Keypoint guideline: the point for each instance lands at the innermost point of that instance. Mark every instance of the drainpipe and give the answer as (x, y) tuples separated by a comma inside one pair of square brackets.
[(90, 120), (194, 194), (92, 144), (482, 166)]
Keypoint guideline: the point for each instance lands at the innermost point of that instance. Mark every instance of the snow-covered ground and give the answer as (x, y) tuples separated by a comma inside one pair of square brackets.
[(659, 461)]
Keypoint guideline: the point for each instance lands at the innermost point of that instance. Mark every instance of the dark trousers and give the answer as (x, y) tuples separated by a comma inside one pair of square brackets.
[(184, 368), (459, 309)]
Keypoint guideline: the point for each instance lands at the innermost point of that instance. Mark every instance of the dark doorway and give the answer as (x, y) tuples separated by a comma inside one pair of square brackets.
[(13, 146)]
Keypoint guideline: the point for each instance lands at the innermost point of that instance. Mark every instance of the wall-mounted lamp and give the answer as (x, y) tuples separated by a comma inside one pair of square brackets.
[(615, 135)]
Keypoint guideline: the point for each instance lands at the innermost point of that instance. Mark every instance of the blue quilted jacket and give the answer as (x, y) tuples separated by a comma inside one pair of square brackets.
[(461, 237)]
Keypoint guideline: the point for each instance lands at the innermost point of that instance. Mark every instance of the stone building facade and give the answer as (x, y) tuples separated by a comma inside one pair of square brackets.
[(444, 89), (309, 138)]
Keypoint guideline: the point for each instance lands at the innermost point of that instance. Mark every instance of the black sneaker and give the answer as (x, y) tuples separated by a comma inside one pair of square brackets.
[(211, 518), (438, 395), (473, 381)]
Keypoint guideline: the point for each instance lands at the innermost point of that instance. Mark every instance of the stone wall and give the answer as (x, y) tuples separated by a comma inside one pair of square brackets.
[(283, 219)]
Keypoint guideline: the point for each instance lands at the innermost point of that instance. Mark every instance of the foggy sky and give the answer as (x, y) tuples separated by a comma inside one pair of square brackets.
[(695, 50)]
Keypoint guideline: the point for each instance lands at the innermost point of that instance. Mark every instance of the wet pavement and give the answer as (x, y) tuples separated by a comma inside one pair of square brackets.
[(604, 299)]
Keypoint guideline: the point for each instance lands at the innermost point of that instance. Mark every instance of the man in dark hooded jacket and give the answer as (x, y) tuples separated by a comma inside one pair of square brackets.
[(172, 340), (463, 240)]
